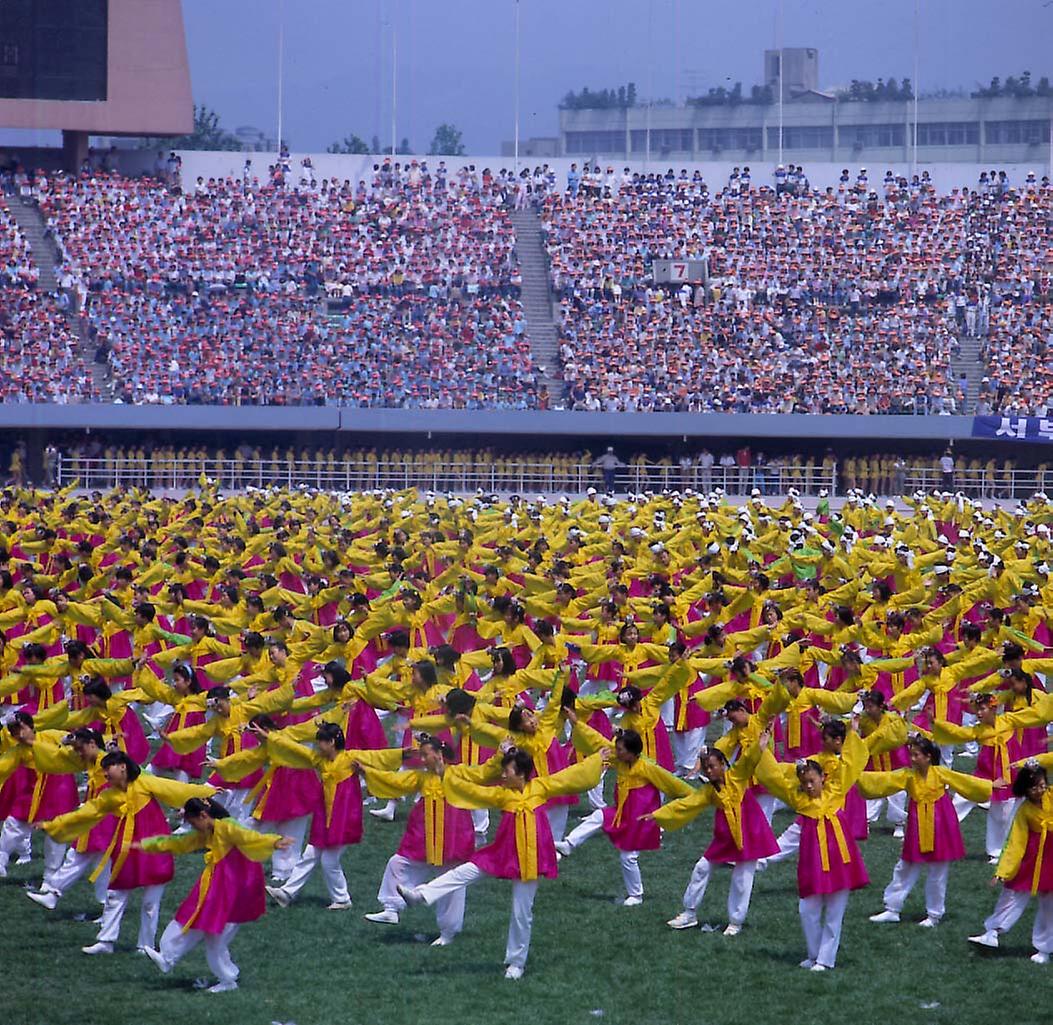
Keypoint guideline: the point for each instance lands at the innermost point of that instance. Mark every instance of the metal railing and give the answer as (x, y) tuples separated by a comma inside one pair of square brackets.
[(504, 476)]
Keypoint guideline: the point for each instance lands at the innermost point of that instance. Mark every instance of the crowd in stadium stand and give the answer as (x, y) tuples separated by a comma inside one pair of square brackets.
[(848, 299), (216, 295), (16, 258), (39, 356), (403, 290)]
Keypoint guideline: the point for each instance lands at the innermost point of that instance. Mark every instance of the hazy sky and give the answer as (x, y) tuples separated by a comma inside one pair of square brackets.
[(456, 57)]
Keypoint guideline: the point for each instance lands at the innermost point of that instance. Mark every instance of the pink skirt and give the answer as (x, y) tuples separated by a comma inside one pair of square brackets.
[(947, 835), (630, 834), (235, 895), (501, 858), (1026, 873), (166, 758), (458, 835), (812, 880), (758, 840), (141, 868), (345, 823), (292, 794)]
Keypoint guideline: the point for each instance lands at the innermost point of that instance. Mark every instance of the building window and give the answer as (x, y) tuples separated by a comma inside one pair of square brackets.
[(802, 137), (590, 143), (663, 140), (948, 133), (1007, 132), (748, 139), (871, 135)]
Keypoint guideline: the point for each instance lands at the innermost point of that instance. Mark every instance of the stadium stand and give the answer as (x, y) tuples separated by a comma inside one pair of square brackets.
[(403, 291)]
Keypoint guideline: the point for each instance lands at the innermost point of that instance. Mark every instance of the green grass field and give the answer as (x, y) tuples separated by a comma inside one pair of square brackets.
[(590, 961)]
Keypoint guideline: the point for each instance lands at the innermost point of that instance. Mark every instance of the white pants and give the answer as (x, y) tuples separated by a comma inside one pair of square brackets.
[(768, 803), (1010, 906), (328, 858), (907, 873), (686, 744), (176, 944), (557, 819), (895, 809), (821, 918), (236, 801), (283, 862), (74, 868), (480, 820), (630, 860), (521, 921), (999, 821), (17, 835), (400, 871), (113, 911), (595, 795), (668, 713), (789, 841), (738, 895)]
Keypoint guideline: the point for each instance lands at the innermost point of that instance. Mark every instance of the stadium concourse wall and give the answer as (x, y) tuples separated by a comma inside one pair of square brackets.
[(220, 164)]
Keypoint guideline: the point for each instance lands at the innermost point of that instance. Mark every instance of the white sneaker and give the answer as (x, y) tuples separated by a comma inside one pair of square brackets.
[(23, 859), (385, 814), (762, 865), (514, 972), (897, 833), (1040, 958), (223, 987), (631, 902), (818, 967), (994, 859), (442, 941), (563, 848), (807, 963), (985, 939), (155, 955), (928, 922), (339, 905), (410, 894), (885, 916), (685, 920), (389, 916), (279, 896), (732, 929), (46, 899), (98, 948)]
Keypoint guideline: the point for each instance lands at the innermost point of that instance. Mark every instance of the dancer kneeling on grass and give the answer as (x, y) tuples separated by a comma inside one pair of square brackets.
[(522, 850), (933, 837), (829, 865), (437, 835), (1026, 866), (741, 834), (640, 784), (228, 893)]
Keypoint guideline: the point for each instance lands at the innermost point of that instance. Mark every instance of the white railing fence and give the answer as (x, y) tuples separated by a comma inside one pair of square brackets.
[(502, 476)]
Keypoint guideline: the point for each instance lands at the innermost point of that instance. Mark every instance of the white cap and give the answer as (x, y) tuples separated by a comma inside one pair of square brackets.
[(590, 491)]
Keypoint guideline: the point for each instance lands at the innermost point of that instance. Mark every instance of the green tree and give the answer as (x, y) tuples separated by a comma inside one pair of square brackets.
[(207, 133), (446, 141), (349, 144)]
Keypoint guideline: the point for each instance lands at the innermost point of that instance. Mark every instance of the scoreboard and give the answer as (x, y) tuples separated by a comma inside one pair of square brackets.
[(53, 49)]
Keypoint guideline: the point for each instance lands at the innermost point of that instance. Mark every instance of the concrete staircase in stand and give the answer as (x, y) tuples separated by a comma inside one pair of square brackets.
[(968, 364), (537, 300), (46, 258)]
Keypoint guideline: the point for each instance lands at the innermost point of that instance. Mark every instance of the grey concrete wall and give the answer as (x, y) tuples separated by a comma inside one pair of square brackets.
[(483, 423)]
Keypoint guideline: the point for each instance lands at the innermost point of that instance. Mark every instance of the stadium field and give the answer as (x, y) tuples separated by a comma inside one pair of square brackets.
[(591, 961)]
